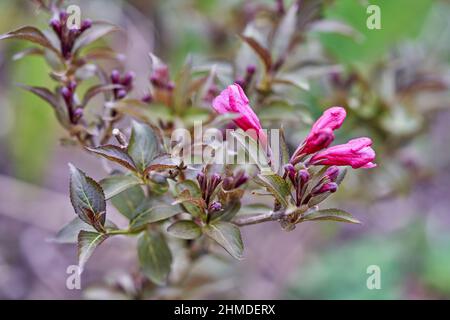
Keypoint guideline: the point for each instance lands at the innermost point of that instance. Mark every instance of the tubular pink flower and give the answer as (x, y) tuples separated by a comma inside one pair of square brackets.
[(234, 100), (356, 153), (321, 134)]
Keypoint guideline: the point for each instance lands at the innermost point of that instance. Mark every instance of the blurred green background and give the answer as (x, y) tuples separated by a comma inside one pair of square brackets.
[(404, 203)]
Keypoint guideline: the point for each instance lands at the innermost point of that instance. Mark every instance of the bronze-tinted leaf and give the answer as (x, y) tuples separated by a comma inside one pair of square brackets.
[(53, 100), (31, 34), (87, 197), (95, 90), (115, 154), (98, 30), (262, 52)]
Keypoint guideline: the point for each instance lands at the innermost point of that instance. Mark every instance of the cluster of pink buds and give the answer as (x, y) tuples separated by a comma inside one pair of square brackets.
[(68, 93), (356, 153), (314, 151), (160, 78), (208, 186), (126, 81), (67, 34)]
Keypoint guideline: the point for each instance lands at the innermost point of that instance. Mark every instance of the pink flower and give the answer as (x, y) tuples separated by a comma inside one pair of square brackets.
[(356, 153), (234, 100), (321, 134)]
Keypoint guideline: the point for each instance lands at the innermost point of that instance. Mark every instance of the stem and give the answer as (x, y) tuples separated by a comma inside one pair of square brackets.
[(125, 231), (258, 218)]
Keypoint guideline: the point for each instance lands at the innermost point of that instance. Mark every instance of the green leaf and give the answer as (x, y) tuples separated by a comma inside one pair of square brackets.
[(115, 154), (229, 212), (331, 215), (69, 233), (186, 229), (31, 34), (98, 30), (128, 201), (143, 146), (145, 214), (276, 185), (196, 210), (228, 236), (87, 242), (87, 197), (154, 256), (116, 184)]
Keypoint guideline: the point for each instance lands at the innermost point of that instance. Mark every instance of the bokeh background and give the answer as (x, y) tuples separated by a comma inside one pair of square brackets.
[(403, 102)]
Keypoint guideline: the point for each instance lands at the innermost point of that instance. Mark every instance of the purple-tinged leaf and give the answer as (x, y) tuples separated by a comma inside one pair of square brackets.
[(87, 198), (284, 33), (98, 30), (53, 100), (115, 154), (95, 90), (262, 52), (31, 34)]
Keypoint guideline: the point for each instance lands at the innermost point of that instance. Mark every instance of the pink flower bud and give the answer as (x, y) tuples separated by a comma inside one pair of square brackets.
[(332, 173), (303, 176), (77, 114), (86, 24), (251, 69), (327, 187), (234, 100), (56, 26), (66, 93), (243, 178), (321, 134), (121, 93), (115, 76), (290, 172), (215, 206), (128, 78), (356, 153), (147, 98)]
